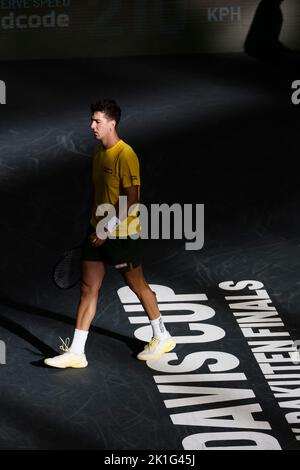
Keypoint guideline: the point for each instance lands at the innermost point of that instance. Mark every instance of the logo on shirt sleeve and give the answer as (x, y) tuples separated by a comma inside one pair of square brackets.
[(108, 170)]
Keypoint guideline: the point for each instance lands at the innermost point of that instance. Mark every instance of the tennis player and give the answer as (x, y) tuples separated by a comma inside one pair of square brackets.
[(116, 242)]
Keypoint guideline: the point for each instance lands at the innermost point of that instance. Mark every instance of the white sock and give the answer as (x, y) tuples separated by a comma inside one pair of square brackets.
[(78, 343), (159, 328)]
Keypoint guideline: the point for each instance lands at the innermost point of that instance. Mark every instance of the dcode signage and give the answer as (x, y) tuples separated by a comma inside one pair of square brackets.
[(50, 20)]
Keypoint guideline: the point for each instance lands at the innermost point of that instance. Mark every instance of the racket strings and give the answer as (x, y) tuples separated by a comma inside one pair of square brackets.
[(67, 270)]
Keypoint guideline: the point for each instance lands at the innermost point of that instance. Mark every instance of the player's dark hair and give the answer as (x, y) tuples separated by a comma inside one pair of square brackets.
[(109, 108)]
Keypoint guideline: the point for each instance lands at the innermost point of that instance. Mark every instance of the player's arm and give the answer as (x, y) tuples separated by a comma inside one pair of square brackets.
[(132, 194), (122, 212), (130, 182)]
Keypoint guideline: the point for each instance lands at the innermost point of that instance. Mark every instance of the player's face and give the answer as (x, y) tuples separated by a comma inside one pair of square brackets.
[(101, 125)]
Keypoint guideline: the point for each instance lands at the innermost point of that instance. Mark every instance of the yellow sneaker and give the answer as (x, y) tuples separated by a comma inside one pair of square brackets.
[(156, 348), (67, 359)]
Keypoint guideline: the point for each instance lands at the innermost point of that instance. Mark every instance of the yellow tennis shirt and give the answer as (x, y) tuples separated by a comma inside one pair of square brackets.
[(114, 169)]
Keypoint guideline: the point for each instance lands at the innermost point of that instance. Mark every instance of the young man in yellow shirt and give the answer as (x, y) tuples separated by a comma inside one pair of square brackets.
[(115, 173)]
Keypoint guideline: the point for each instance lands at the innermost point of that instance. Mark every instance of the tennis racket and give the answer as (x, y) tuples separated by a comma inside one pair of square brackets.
[(67, 273)]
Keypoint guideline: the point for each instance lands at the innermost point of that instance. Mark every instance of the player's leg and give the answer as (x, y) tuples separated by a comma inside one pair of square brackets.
[(161, 341), (93, 273), (136, 281)]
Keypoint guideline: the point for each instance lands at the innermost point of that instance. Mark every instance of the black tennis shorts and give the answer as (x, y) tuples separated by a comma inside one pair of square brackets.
[(113, 251)]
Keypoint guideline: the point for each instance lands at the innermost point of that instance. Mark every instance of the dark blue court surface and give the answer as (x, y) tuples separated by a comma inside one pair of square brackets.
[(218, 130)]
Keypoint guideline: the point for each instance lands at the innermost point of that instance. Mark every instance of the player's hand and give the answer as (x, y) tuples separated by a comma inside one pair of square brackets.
[(95, 241)]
